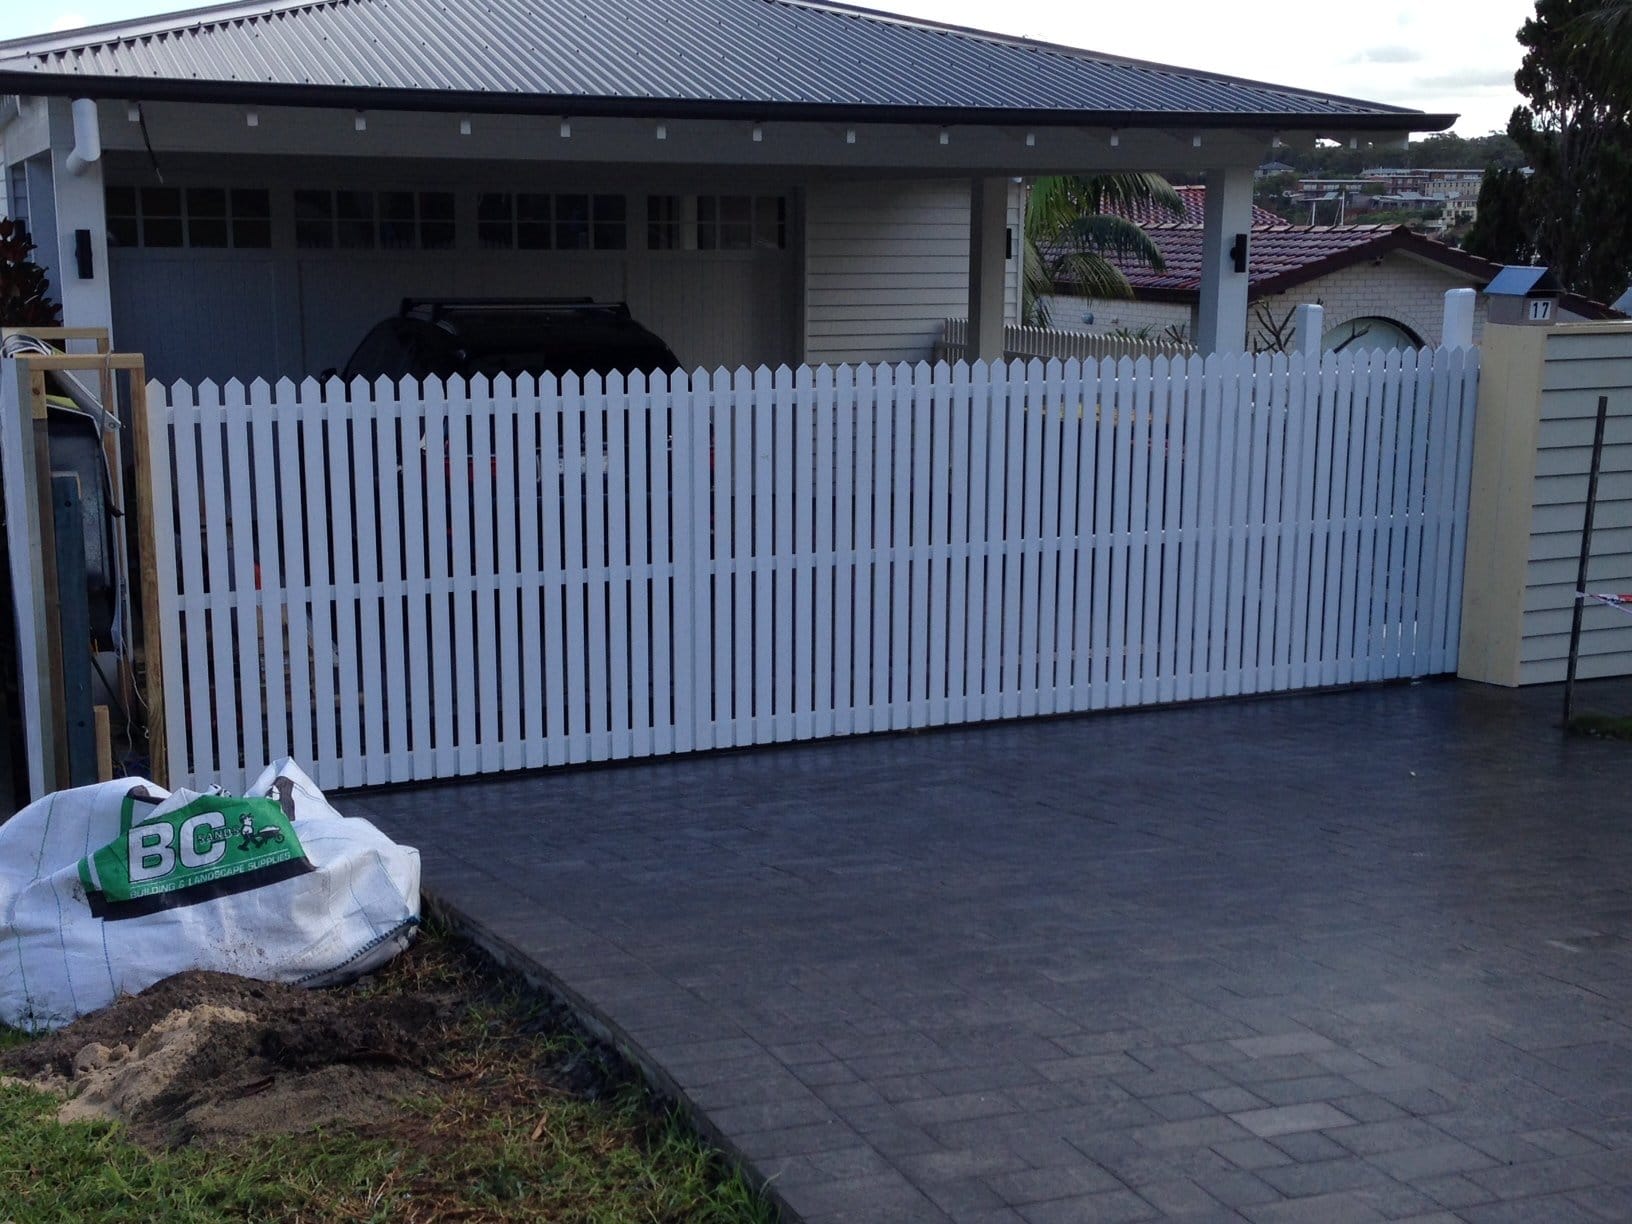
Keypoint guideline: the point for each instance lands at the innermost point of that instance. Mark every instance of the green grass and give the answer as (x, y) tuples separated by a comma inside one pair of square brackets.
[(499, 1140), (1604, 726)]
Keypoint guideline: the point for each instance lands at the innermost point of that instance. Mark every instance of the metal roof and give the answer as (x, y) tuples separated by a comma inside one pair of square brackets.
[(703, 58), (1521, 280)]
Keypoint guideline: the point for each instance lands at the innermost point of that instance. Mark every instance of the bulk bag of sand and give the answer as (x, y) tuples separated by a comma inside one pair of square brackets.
[(106, 889)]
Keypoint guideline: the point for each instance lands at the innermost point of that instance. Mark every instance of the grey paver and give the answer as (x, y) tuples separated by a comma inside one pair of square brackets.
[(1313, 958)]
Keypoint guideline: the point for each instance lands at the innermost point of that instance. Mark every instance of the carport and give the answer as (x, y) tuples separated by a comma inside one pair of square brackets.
[(242, 191)]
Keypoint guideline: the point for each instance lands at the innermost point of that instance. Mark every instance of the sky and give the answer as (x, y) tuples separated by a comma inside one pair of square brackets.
[(1456, 56)]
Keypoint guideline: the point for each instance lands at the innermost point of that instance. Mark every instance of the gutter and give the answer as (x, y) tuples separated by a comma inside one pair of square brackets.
[(351, 97)]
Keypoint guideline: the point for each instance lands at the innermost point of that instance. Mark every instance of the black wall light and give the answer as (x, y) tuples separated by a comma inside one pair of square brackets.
[(82, 254), (1238, 253)]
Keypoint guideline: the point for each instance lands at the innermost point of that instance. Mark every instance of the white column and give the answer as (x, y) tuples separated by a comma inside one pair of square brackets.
[(1457, 331), (80, 205), (988, 237), (1221, 315), (1310, 327)]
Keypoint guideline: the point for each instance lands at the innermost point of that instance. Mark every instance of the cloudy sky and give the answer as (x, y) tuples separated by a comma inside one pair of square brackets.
[(1447, 58)]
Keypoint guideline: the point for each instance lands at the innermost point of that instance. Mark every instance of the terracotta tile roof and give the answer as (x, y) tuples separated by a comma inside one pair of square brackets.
[(1195, 204), (1276, 251)]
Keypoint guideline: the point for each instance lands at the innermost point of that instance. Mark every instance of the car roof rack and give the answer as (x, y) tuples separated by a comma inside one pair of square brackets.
[(439, 307)]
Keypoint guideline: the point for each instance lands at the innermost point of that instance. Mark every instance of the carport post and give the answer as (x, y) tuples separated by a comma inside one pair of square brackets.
[(1226, 238), (988, 242)]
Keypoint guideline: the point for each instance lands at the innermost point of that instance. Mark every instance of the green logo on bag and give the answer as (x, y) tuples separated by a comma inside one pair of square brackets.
[(214, 846)]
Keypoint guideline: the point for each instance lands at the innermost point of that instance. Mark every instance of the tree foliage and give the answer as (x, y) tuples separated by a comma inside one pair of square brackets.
[(23, 283), (1575, 134), (1074, 221)]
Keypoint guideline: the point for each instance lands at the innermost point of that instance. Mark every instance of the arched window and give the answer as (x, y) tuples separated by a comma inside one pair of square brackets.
[(1370, 333)]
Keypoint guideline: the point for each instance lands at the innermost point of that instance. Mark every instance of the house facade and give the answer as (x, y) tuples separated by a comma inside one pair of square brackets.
[(245, 190), (1382, 287)]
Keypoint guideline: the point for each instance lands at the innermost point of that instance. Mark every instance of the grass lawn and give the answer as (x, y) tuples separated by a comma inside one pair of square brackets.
[(523, 1119)]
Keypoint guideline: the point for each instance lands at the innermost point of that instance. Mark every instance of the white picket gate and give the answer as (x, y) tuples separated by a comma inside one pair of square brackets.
[(393, 584)]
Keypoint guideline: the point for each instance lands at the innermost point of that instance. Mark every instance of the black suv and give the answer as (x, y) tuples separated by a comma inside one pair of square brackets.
[(441, 338)]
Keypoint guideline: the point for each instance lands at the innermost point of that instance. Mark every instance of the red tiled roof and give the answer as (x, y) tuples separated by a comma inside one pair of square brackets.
[(1195, 204), (1276, 251)]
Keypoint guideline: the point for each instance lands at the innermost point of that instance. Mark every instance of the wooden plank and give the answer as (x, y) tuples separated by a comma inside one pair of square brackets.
[(556, 495), (668, 451), (1138, 442), (1031, 409), (461, 451), (887, 407), (618, 580), (1324, 508), (924, 623), (856, 385), (446, 680), (336, 476), (513, 576), (641, 486), (755, 642), (267, 444), (237, 517), (595, 577), (1258, 591), (224, 684), (777, 410), (1161, 563), (949, 454), (1239, 407), (1068, 403), (156, 579), (1122, 441), (840, 384), (102, 728), (1012, 531), (815, 388), (1193, 457), (902, 498), (1435, 552), (1379, 517), (978, 380), (797, 413), (993, 654), (1105, 409), (729, 488), (478, 473), (1045, 410), (416, 746), (367, 603)]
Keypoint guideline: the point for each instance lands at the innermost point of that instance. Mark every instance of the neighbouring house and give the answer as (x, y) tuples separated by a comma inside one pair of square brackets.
[(1381, 286), (244, 190)]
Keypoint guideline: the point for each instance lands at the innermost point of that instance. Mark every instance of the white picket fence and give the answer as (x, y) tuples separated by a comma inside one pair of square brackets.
[(1024, 343), (401, 585)]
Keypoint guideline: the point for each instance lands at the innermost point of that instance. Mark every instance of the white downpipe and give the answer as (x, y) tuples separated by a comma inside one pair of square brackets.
[(87, 136)]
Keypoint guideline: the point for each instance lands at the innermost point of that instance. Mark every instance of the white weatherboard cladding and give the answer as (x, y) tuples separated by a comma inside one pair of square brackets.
[(886, 264), (1580, 366), (546, 576)]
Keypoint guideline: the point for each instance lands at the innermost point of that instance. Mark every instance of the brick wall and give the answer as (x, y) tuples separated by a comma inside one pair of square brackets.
[(1401, 288)]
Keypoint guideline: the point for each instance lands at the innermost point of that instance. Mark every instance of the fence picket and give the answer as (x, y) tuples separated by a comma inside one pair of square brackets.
[(394, 540), (840, 386), (368, 661)]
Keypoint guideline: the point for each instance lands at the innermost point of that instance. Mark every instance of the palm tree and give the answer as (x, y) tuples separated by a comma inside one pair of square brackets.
[(1603, 37), (1074, 221)]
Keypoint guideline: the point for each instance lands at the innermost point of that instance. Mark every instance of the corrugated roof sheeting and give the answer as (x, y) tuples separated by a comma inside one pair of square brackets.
[(777, 52)]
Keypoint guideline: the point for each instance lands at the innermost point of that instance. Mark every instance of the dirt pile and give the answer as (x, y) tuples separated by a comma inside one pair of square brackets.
[(208, 1056)]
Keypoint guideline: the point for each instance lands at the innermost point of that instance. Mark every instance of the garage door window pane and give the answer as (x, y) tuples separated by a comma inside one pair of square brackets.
[(495, 220), (770, 223), (251, 219), (662, 223), (161, 217), (354, 214), (533, 214), (314, 219), (611, 222), (397, 220), (572, 222), (123, 227), (436, 230)]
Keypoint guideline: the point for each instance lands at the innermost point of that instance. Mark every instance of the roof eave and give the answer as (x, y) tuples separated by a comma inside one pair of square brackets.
[(355, 97)]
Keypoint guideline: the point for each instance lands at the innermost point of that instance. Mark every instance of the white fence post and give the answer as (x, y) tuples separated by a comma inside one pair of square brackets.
[(1457, 331), (1309, 329)]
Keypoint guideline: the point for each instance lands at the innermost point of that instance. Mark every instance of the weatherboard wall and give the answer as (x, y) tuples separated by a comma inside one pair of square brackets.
[(886, 264)]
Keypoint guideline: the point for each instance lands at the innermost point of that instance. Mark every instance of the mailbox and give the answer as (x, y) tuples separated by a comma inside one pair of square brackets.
[(1524, 295)]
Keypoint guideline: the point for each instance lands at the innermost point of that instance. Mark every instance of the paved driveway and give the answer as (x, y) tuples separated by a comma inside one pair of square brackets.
[(1333, 958)]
